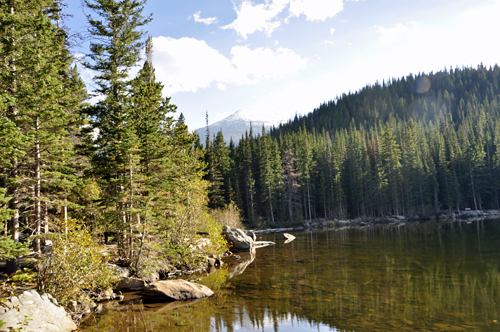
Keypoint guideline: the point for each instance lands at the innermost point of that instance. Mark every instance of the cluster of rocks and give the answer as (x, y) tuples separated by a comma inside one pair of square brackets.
[(243, 241), (468, 214), (399, 220)]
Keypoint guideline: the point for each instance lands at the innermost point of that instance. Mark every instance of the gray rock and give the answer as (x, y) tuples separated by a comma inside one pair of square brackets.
[(175, 290), (239, 241), (31, 312), (200, 245), (130, 285), (211, 262), (122, 272), (251, 234), (400, 217), (152, 277)]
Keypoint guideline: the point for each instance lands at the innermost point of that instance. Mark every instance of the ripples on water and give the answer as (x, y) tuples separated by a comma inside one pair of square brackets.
[(416, 277)]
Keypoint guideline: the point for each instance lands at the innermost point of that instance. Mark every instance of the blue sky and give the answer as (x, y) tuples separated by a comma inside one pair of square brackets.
[(276, 58)]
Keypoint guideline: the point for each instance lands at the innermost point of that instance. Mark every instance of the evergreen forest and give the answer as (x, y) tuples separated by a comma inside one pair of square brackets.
[(413, 146), (123, 169)]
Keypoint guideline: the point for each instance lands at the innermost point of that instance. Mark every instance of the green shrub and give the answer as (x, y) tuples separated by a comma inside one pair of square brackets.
[(76, 268), (26, 275)]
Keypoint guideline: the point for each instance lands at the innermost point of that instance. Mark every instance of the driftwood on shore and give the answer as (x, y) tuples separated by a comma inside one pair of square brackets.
[(278, 230)]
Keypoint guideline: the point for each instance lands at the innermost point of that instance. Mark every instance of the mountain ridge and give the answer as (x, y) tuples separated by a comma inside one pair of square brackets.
[(236, 124)]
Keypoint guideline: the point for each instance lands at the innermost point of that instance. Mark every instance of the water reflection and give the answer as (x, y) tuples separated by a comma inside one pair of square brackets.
[(428, 276)]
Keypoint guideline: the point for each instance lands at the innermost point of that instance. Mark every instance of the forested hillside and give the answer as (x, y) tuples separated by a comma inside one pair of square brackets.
[(416, 145)]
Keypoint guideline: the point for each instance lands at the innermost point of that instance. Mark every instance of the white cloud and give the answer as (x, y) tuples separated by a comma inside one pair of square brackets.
[(316, 10), (187, 64), (332, 31), (263, 63), (397, 34), (329, 42), (264, 17), (207, 21), (261, 17)]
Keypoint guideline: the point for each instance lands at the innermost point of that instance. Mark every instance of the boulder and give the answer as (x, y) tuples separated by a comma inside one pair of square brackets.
[(251, 234), (122, 272), (211, 262), (130, 284), (31, 312), (175, 290), (200, 245), (238, 240)]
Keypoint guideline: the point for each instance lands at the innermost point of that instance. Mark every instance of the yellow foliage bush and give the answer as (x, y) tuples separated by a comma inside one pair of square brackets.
[(189, 223), (230, 216), (76, 268)]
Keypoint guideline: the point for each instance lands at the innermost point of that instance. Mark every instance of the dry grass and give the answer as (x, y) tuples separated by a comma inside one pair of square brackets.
[(229, 215)]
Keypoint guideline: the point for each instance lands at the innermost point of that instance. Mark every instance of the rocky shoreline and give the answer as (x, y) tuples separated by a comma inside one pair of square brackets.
[(469, 215)]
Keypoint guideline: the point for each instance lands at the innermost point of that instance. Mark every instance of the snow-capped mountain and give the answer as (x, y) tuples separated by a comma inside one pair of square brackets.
[(235, 125)]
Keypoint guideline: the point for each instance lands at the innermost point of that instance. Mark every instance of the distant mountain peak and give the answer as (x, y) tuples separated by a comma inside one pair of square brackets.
[(236, 124)]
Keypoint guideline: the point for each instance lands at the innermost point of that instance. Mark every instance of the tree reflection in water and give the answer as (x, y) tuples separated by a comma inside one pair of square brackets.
[(428, 276)]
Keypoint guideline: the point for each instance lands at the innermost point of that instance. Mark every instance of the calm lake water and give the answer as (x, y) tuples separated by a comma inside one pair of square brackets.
[(416, 277)]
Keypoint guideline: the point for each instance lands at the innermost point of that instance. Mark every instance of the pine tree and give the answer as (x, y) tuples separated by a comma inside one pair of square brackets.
[(47, 93), (11, 139), (111, 135), (390, 155)]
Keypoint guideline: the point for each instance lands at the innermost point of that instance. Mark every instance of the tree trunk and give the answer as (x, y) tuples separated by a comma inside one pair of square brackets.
[(131, 229), (13, 225), (45, 218), (309, 199), (472, 185), (38, 210), (11, 266), (270, 204)]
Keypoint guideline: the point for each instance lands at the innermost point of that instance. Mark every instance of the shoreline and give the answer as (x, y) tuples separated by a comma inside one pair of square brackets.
[(322, 223)]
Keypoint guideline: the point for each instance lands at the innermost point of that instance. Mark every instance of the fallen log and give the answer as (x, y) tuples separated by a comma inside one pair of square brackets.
[(278, 230)]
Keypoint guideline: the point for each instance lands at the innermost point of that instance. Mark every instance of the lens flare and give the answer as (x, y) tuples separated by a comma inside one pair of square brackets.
[(422, 85)]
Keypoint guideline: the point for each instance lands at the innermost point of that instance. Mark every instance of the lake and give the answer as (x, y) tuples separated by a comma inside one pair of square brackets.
[(410, 277)]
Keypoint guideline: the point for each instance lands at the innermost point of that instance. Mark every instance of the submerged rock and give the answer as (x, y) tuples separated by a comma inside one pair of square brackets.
[(175, 290), (262, 244), (238, 240), (130, 284), (31, 312)]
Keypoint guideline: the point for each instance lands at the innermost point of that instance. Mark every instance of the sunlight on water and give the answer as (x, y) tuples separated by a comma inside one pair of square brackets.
[(416, 277)]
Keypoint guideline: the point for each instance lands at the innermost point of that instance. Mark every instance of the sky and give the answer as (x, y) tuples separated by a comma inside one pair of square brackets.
[(277, 58)]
